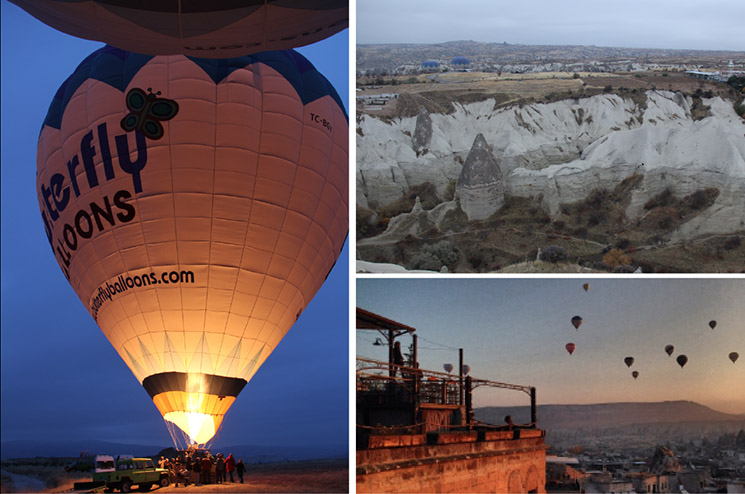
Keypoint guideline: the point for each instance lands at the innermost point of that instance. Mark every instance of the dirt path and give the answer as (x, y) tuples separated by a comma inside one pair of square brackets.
[(24, 483)]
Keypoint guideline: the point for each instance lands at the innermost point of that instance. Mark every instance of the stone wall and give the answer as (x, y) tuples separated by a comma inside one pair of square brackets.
[(456, 463)]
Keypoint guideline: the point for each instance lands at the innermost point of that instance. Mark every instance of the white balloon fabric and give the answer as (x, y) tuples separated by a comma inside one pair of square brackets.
[(195, 206)]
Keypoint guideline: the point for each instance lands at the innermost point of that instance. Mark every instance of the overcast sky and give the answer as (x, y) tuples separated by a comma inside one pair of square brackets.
[(515, 331), (685, 24), (57, 364)]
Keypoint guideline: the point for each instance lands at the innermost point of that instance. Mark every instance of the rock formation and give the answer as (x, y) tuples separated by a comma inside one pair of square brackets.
[(563, 150), (422, 132), (479, 187)]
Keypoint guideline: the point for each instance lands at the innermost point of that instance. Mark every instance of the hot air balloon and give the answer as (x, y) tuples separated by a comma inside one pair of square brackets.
[(682, 360), (629, 361), (586, 286), (200, 28), (669, 349), (635, 374), (466, 369), (712, 324), (448, 368), (195, 206), (734, 356), (576, 322), (570, 347)]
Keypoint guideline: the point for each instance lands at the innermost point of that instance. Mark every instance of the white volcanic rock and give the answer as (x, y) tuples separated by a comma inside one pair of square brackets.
[(479, 188), (564, 150)]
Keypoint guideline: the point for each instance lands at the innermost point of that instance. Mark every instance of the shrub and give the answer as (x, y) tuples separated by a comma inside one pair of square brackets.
[(702, 198), (596, 198), (662, 199), (433, 257), (732, 242), (595, 218), (559, 225), (616, 257), (624, 268), (554, 254), (622, 243)]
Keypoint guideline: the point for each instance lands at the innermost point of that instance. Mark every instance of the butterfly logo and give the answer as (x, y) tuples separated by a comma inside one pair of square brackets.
[(146, 111)]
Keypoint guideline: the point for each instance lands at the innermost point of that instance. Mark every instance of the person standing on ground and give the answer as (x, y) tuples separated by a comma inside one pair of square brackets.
[(219, 469), (197, 470), (230, 466), (240, 468), (206, 467)]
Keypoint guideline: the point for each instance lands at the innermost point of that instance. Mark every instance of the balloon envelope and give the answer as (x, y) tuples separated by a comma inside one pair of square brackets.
[(448, 368), (195, 221), (635, 374), (712, 324), (466, 369), (199, 28), (570, 347), (682, 360), (576, 322), (734, 356), (669, 349), (586, 286), (629, 361)]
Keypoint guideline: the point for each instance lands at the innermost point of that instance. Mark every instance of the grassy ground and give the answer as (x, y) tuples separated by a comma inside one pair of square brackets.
[(437, 93), (308, 476)]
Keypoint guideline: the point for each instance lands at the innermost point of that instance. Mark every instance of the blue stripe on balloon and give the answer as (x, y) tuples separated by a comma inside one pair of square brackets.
[(117, 68)]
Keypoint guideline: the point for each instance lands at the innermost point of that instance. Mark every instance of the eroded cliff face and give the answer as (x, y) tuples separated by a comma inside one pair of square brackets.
[(561, 151)]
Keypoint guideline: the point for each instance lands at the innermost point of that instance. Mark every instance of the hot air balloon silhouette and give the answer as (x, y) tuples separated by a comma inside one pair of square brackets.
[(200, 28), (576, 322), (734, 356), (669, 349), (635, 374), (682, 360), (628, 361), (570, 347), (196, 250), (712, 324), (466, 369), (448, 368), (586, 286)]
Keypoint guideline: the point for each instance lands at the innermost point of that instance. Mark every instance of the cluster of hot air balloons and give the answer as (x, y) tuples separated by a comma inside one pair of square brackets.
[(681, 359), (576, 322), (195, 205)]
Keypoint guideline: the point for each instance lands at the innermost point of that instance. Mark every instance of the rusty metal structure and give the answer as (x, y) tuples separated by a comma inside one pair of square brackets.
[(397, 399)]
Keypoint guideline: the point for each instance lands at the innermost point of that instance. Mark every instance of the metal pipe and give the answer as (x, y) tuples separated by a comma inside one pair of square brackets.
[(533, 410)]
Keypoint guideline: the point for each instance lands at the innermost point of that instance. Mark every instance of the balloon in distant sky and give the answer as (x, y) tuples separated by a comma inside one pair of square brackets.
[(586, 286), (195, 206), (629, 361), (669, 349), (712, 324), (199, 28), (466, 369), (734, 356), (682, 360), (635, 374), (576, 322), (570, 347), (448, 368)]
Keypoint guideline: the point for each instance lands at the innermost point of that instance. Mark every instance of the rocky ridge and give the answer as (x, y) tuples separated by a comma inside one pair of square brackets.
[(559, 152)]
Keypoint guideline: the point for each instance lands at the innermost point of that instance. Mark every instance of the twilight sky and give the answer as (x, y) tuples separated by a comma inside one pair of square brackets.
[(56, 363), (515, 331), (689, 24)]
